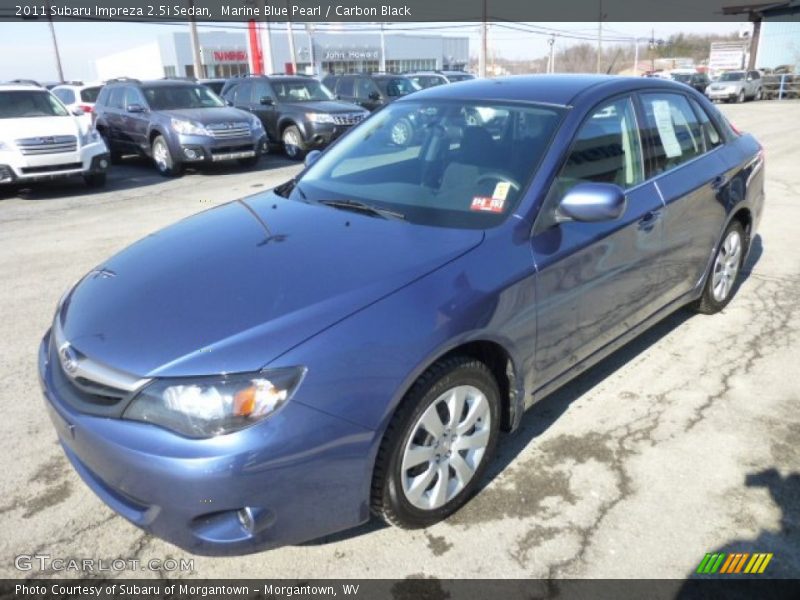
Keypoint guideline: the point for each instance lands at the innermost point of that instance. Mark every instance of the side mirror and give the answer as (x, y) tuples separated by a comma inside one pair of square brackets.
[(229, 102), (77, 112), (135, 108), (592, 202), (267, 100), (312, 157), (374, 96)]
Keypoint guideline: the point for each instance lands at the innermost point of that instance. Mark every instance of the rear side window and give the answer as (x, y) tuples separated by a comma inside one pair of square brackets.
[(607, 149), (345, 87), (90, 94), (116, 97), (65, 95), (673, 132), (102, 98), (711, 135)]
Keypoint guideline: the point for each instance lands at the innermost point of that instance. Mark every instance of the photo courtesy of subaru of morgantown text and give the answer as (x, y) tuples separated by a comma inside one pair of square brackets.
[(433, 307)]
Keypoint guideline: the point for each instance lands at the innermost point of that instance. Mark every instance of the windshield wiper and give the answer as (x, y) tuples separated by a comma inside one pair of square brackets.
[(356, 206)]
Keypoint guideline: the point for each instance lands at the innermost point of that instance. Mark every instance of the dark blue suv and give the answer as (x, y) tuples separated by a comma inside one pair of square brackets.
[(176, 123)]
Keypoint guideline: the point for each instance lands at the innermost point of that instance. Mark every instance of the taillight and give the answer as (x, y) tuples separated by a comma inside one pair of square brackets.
[(735, 129), (85, 108)]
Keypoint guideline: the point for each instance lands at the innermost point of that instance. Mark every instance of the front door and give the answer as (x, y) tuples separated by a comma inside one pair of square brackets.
[(596, 280)]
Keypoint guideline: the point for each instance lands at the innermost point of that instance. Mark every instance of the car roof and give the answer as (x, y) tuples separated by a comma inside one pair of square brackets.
[(22, 87), (562, 90)]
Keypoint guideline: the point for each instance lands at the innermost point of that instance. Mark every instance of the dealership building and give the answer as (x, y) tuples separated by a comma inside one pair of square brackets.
[(225, 54)]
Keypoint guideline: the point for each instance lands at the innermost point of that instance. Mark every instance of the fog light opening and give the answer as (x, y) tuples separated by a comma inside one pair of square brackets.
[(190, 153), (104, 164)]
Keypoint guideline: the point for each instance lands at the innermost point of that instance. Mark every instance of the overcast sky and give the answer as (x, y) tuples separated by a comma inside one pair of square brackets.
[(26, 48)]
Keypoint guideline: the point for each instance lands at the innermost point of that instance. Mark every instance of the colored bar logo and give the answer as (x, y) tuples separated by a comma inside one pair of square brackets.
[(735, 563)]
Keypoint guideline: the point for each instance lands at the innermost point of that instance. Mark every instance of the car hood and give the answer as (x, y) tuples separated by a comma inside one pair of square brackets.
[(326, 106), (13, 129), (207, 116), (232, 288)]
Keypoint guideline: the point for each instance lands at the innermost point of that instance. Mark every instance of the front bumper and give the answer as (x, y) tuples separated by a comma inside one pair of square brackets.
[(88, 159), (319, 135), (205, 149), (300, 475), (722, 94)]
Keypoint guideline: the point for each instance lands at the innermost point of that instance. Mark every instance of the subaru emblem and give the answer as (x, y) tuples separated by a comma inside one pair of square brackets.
[(68, 358)]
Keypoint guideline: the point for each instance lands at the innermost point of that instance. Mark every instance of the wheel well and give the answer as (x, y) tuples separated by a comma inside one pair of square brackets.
[(285, 125), (746, 220), (153, 135), (494, 356)]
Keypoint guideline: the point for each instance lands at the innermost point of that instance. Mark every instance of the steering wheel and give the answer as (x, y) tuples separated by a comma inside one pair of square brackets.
[(498, 176)]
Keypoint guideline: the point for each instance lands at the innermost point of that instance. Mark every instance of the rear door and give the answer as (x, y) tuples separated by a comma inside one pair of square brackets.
[(113, 115), (367, 93), (689, 174), (595, 281)]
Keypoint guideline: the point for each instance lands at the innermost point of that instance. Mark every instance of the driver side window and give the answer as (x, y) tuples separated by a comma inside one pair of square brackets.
[(606, 149)]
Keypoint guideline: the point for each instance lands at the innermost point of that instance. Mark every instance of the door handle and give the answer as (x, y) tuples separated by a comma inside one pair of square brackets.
[(648, 221)]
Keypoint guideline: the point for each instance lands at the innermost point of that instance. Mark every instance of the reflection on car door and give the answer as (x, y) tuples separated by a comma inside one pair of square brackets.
[(595, 281), (135, 125), (688, 178)]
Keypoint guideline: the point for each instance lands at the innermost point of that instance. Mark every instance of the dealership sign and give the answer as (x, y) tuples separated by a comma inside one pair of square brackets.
[(351, 54), (224, 55)]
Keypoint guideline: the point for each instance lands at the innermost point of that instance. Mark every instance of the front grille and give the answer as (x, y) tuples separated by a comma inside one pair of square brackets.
[(348, 118), (226, 131), (55, 144), (52, 168)]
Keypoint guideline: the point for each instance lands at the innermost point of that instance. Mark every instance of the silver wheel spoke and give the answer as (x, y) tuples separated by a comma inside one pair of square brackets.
[(463, 471), (440, 489), (476, 441), (419, 484), (431, 422), (455, 406), (416, 455), (477, 410)]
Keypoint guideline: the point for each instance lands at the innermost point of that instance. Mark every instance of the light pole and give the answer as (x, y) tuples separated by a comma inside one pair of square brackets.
[(551, 63), (382, 68), (310, 33), (484, 44), (55, 44), (198, 64)]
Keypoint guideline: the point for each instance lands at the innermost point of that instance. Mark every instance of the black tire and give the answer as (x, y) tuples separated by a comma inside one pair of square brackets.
[(250, 161), (293, 144), (165, 163), (388, 500), (95, 180), (708, 303)]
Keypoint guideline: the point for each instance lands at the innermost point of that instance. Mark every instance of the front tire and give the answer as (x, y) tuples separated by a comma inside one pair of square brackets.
[(293, 144), (720, 284), (162, 157), (438, 444), (740, 98)]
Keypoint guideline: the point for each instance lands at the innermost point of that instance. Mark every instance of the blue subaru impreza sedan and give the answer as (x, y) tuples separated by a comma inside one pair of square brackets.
[(354, 341)]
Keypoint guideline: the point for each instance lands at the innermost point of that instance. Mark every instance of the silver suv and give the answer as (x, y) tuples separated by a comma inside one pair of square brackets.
[(736, 86)]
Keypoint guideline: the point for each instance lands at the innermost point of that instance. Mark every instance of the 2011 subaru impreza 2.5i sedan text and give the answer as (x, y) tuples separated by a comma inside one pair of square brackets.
[(354, 341)]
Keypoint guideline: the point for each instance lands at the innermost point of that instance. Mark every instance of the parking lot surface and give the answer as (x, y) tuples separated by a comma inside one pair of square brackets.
[(684, 442)]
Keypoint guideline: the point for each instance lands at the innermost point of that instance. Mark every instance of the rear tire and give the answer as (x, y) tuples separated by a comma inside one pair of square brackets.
[(720, 285), (438, 445), (162, 157)]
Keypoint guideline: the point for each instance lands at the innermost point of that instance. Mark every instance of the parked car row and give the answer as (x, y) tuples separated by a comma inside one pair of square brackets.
[(731, 86)]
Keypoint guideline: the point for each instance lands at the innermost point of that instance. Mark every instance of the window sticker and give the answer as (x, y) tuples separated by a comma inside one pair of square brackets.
[(501, 190), (666, 130), (486, 204)]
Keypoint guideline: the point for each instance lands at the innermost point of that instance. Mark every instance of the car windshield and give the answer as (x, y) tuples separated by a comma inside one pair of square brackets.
[(439, 163), (172, 97), (738, 76), (398, 86), (33, 103), (90, 94), (307, 90), (460, 77)]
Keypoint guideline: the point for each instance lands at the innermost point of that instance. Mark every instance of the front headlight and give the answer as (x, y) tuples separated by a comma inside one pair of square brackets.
[(257, 125), (188, 128), (206, 407), (320, 118)]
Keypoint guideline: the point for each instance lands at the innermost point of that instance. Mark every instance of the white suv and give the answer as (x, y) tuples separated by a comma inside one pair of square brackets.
[(41, 139), (77, 95)]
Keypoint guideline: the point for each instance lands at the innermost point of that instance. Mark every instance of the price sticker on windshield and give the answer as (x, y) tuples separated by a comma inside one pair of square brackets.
[(486, 204), (501, 190)]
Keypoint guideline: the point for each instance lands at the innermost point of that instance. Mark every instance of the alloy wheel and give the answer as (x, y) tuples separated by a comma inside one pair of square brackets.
[(291, 143), (161, 155), (401, 133), (447, 444), (726, 266)]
